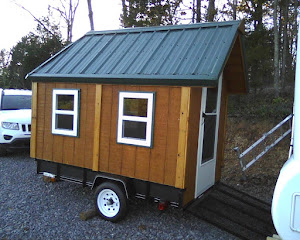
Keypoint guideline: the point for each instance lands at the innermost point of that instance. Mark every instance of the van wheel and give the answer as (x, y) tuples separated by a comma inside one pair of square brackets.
[(110, 201)]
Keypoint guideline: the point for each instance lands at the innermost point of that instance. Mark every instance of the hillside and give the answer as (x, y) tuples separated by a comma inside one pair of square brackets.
[(257, 116)]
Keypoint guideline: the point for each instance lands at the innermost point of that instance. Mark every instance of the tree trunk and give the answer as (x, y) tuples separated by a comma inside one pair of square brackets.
[(284, 42), (211, 11), (276, 50), (234, 5), (198, 11), (89, 2)]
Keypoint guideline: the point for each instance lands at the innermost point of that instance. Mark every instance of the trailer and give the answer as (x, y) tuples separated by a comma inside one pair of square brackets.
[(138, 112)]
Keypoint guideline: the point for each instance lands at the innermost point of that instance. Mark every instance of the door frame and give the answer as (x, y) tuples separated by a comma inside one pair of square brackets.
[(209, 180)]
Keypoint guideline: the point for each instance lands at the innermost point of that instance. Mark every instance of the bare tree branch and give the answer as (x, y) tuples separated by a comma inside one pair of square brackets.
[(36, 19)]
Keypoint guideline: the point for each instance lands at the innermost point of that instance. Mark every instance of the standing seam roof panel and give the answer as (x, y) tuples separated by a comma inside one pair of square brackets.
[(85, 56), (150, 51), (69, 55), (194, 52), (81, 55), (131, 57), (170, 50), (100, 47), (128, 54), (217, 52), (179, 52), (124, 46), (191, 53)]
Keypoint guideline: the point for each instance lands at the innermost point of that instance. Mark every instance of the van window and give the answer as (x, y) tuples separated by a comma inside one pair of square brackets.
[(15, 102)]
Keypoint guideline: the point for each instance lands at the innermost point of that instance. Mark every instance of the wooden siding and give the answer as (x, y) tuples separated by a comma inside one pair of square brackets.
[(192, 144), (183, 136), (33, 120), (222, 130), (157, 164), (76, 151), (234, 69)]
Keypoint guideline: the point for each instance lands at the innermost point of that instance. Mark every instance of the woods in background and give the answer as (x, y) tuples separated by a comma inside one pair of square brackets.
[(270, 26)]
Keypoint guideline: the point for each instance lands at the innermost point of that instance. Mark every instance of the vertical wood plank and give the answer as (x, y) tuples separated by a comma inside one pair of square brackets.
[(80, 148), (143, 154), (115, 151), (192, 144), (58, 141), (182, 139), (40, 120), (97, 127), (172, 136), (105, 127), (128, 151), (69, 142), (222, 131), (48, 136), (158, 152), (33, 120), (89, 140)]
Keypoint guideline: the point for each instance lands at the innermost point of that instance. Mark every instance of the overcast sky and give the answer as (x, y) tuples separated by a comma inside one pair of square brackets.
[(16, 22)]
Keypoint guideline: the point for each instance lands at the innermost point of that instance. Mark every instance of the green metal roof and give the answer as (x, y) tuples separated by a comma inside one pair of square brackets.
[(192, 55)]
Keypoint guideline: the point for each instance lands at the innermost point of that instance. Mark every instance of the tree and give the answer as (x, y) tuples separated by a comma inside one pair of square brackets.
[(67, 11), (211, 11), (276, 49), (89, 2), (140, 13), (30, 52)]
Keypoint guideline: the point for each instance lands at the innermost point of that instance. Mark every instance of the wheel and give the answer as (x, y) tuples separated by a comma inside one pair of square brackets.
[(110, 201)]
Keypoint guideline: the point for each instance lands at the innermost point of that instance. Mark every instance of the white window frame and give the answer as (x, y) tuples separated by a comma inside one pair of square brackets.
[(74, 112), (150, 96)]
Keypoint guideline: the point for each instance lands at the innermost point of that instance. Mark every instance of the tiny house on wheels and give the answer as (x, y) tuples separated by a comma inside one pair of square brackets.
[(138, 112)]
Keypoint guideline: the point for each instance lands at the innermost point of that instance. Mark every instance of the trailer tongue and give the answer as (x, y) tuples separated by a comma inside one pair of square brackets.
[(286, 198)]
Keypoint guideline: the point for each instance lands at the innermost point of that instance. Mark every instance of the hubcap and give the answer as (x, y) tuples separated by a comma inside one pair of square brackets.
[(108, 203)]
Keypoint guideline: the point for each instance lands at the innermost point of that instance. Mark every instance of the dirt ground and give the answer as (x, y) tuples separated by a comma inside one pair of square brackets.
[(262, 176)]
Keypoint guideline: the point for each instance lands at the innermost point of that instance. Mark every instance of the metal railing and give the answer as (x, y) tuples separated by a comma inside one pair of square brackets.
[(241, 156)]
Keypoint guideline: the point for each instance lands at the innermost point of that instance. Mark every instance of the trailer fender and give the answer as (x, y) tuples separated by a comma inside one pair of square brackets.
[(100, 178)]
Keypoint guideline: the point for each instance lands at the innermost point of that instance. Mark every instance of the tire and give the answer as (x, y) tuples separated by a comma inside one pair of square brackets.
[(110, 201)]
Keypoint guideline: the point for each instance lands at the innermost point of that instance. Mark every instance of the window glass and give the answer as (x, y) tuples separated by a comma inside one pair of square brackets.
[(65, 112), (65, 102), (133, 129), (15, 102), (135, 107), (211, 100), (209, 138), (64, 121), (135, 118)]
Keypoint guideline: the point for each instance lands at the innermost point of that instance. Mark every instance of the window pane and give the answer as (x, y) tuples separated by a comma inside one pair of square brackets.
[(64, 121), (15, 102), (133, 129), (211, 101), (65, 102), (209, 138), (135, 107)]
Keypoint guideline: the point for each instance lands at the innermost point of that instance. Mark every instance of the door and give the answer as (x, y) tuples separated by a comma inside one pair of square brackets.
[(208, 138)]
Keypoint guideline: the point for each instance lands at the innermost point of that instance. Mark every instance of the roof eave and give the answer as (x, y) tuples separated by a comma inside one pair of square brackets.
[(202, 80)]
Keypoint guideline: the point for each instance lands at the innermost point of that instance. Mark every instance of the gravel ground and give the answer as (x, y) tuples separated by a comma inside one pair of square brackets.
[(33, 209)]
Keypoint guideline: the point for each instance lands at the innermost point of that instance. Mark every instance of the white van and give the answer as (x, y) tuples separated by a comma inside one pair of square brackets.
[(15, 119)]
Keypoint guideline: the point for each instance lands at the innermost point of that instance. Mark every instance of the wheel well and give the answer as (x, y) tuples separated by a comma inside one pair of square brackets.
[(122, 183)]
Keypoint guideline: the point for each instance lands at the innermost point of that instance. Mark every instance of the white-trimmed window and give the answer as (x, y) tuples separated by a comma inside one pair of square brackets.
[(65, 111), (135, 120)]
